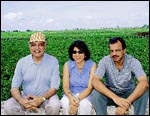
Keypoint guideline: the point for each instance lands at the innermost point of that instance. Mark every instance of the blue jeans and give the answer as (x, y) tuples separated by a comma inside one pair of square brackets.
[(100, 102)]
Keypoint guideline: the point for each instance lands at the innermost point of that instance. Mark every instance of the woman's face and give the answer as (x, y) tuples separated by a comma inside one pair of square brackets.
[(78, 55)]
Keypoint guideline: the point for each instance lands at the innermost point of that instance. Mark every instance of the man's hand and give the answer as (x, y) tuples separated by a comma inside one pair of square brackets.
[(122, 102), (27, 104), (35, 100), (120, 111)]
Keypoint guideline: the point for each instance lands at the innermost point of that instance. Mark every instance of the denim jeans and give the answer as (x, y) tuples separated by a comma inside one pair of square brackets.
[(100, 102)]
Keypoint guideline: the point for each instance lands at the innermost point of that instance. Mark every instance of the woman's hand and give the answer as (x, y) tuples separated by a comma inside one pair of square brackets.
[(73, 110), (74, 101)]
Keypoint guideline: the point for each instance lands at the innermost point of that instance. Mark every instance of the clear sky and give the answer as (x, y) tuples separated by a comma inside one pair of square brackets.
[(60, 15)]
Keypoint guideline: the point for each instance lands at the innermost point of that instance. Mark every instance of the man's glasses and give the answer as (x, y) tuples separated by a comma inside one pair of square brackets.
[(79, 52)]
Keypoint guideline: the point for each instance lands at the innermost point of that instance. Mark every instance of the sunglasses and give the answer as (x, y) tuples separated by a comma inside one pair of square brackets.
[(79, 52)]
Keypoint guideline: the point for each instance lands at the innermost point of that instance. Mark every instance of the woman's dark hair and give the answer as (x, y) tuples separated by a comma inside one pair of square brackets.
[(81, 46), (116, 39)]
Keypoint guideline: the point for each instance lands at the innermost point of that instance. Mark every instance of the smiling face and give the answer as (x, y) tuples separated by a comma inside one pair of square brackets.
[(37, 49), (117, 52), (78, 55)]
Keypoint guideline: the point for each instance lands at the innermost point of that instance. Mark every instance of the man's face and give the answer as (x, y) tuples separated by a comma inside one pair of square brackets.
[(116, 51), (37, 49)]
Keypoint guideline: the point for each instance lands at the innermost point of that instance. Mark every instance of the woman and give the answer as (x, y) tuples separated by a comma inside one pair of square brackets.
[(77, 76)]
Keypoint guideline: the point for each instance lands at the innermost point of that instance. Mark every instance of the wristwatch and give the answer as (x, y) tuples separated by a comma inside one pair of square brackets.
[(79, 99), (44, 99)]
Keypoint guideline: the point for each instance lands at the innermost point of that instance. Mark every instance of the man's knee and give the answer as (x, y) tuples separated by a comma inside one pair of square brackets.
[(12, 109), (7, 108), (53, 109)]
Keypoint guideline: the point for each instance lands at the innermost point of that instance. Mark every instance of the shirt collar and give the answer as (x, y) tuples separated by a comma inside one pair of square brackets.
[(31, 61)]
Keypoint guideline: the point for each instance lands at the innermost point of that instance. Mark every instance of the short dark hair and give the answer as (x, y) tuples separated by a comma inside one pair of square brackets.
[(80, 45), (116, 39)]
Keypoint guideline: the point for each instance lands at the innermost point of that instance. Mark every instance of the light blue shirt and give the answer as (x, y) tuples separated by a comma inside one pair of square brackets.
[(79, 81), (36, 79), (123, 79)]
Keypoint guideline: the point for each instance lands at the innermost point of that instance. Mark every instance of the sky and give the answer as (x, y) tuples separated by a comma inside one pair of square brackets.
[(61, 15)]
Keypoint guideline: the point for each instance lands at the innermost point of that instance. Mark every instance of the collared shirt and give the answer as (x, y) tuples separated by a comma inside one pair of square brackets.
[(36, 79), (123, 79), (79, 81)]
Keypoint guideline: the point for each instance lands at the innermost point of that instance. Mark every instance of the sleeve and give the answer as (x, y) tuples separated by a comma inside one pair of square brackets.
[(100, 71), (55, 77), (18, 77), (137, 68)]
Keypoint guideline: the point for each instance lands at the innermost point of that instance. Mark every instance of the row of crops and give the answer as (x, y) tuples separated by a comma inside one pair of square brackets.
[(14, 45)]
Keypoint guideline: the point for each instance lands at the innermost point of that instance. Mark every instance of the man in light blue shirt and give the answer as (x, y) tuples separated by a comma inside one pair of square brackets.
[(38, 74), (120, 71)]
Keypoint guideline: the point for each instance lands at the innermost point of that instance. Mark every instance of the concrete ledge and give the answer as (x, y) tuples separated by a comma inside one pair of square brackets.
[(110, 111)]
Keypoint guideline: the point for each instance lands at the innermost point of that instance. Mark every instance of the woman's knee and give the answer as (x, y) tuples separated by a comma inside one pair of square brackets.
[(85, 107), (85, 104)]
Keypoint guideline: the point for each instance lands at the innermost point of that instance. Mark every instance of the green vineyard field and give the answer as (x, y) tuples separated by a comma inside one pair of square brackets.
[(14, 45)]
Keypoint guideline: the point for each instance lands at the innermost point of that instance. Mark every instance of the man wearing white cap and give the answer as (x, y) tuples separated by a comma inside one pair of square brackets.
[(38, 74)]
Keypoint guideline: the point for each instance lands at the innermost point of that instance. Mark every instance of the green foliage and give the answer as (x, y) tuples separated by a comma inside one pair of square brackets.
[(14, 45)]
